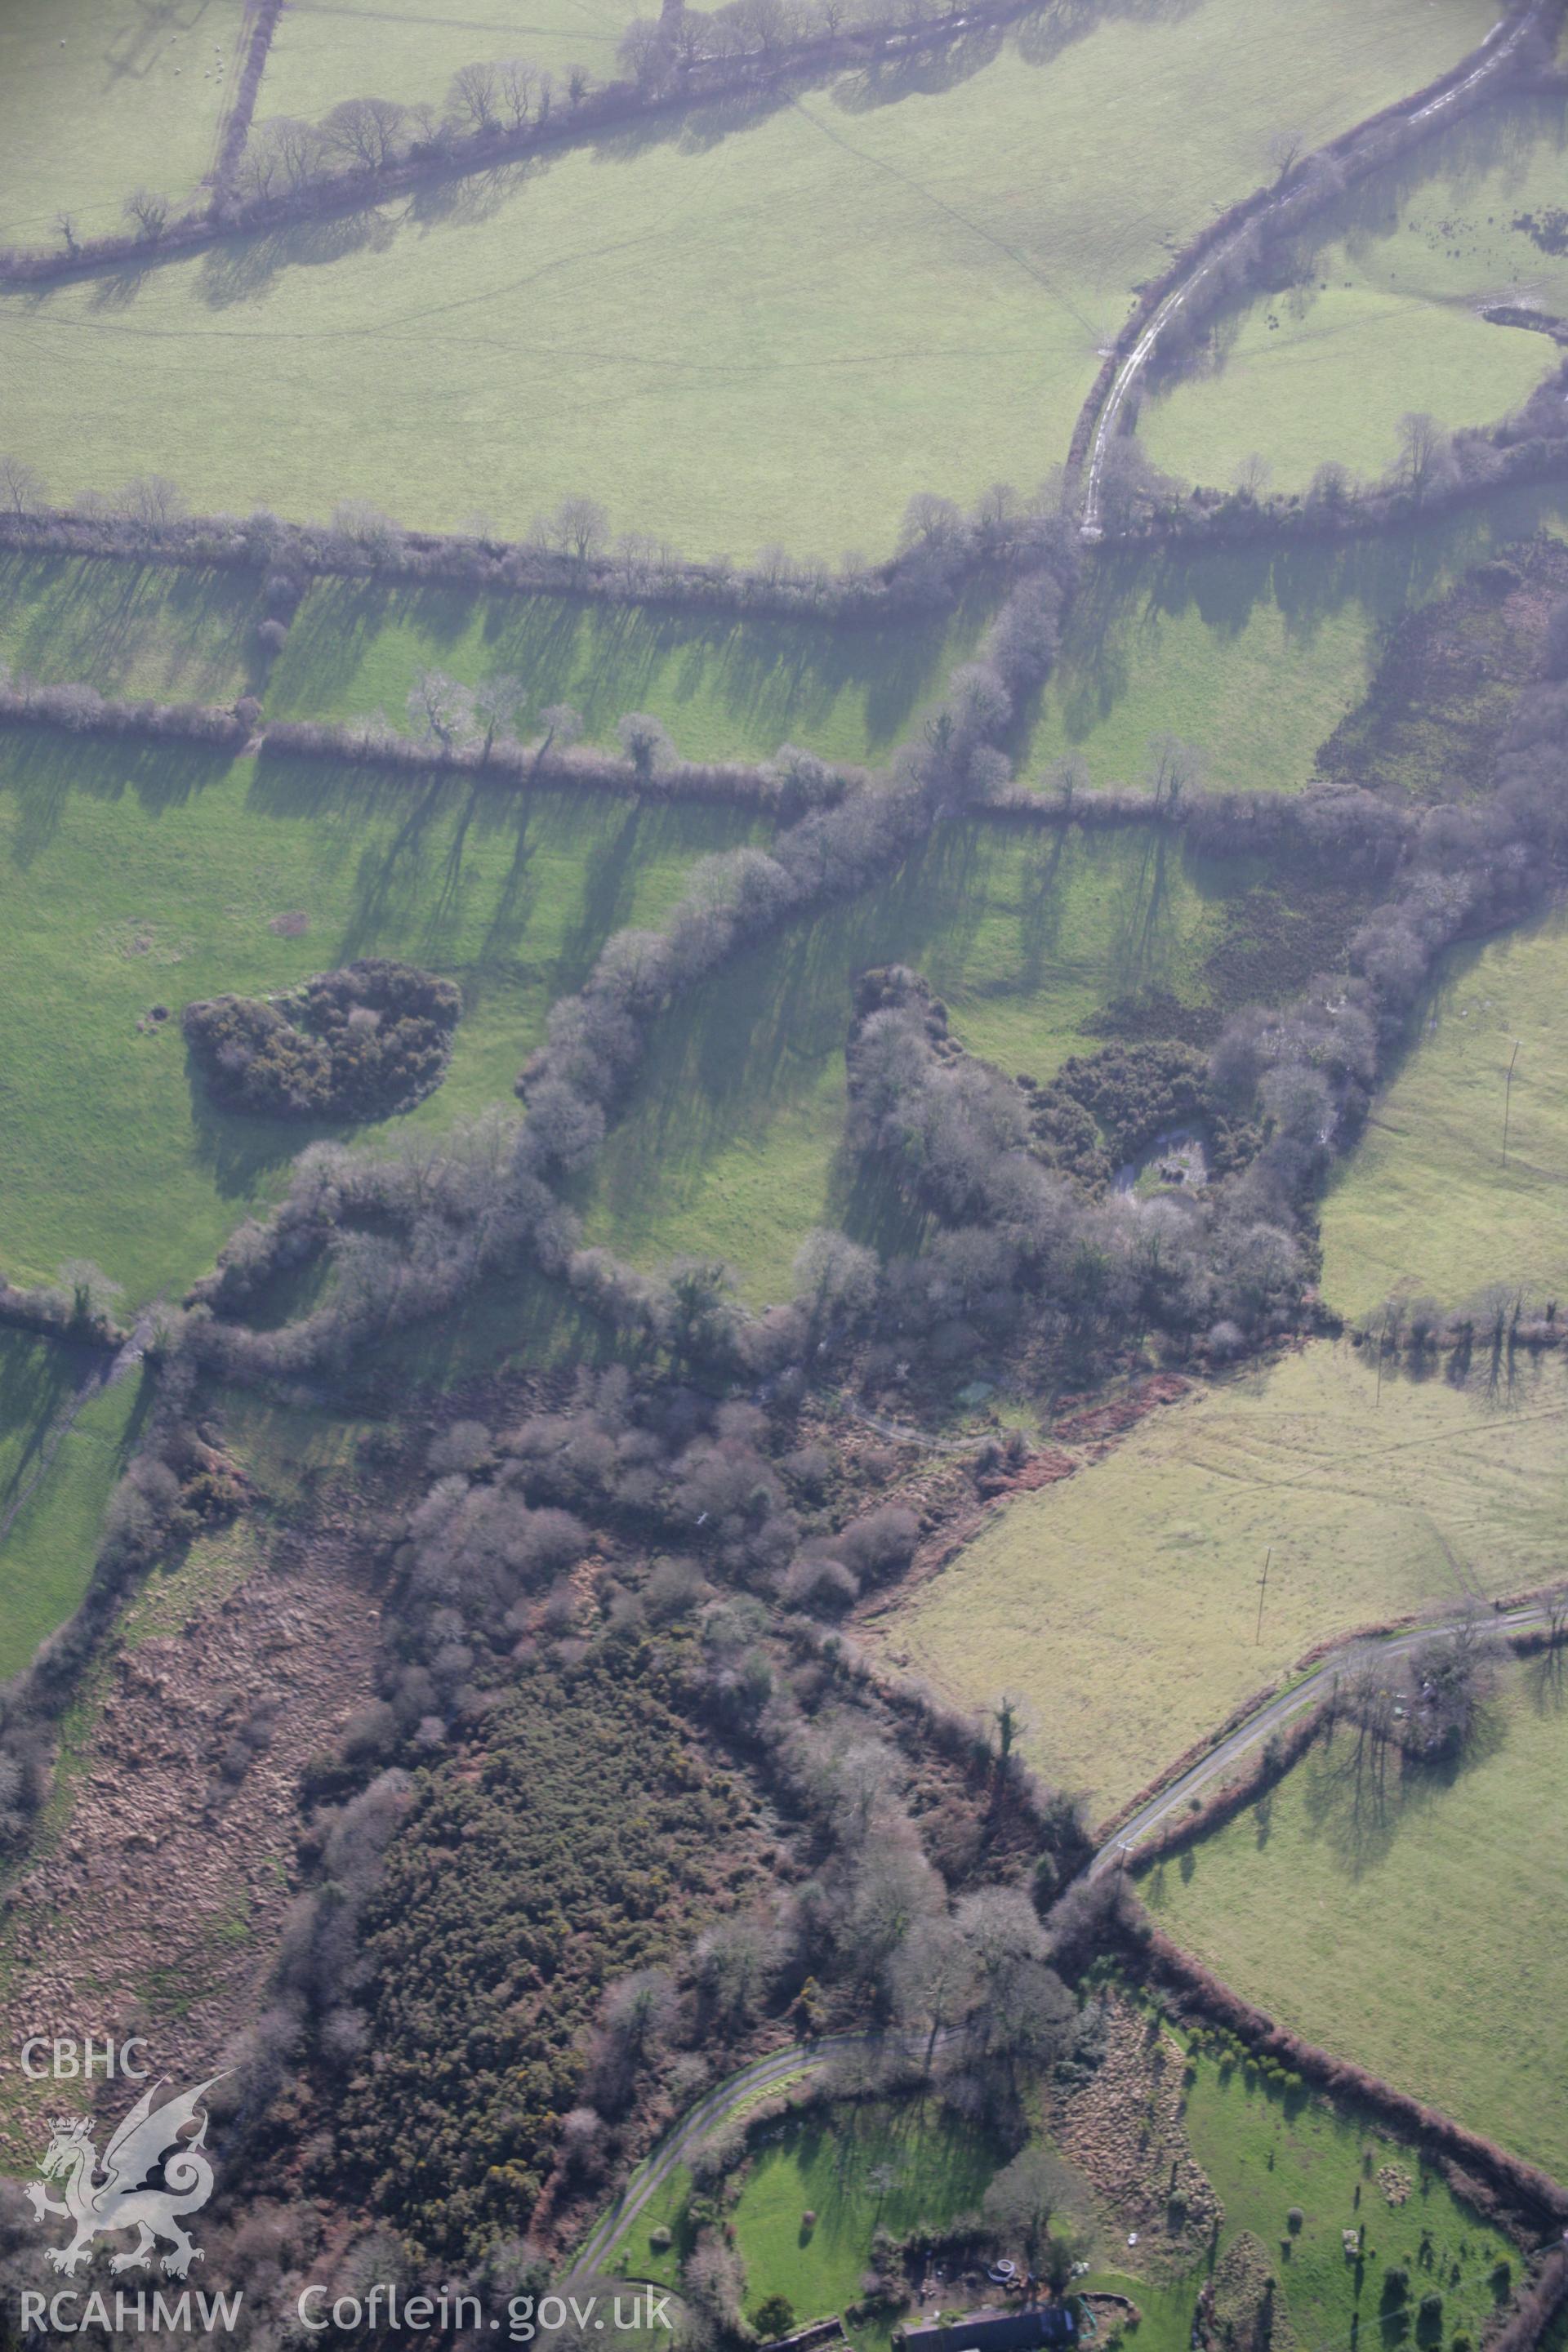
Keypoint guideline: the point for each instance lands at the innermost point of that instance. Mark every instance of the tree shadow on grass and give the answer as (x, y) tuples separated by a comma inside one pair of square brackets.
[(188, 631), (1369, 213), (1039, 36), (43, 766), (1360, 1795), (38, 1377), (427, 871), (773, 680), (520, 1318)]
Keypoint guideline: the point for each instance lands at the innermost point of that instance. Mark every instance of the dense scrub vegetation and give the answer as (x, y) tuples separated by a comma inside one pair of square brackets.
[(361, 1042), (593, 1835)]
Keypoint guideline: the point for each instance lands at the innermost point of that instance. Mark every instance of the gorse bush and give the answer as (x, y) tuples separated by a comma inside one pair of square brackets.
[(371, 1039)]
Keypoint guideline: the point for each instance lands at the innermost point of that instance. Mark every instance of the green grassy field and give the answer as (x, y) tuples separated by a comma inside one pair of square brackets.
[(1410, 1923), (1253, 654), (53, 1487), (1267, 2152), (99, 96), (324, 50), (1122, 1602), (857, 2169), (1425, 1204), (731, 329), (133, 875), (157, 630), (1388, 317), (732, 1142), (725, 689)]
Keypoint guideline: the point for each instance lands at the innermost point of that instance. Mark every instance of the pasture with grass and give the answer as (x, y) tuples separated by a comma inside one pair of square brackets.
[(139, 877), (725, 687), (1407, 1917), (1122, 1603), (324, 51), (1405, 267), (819, 307), (589, 1631), (100, 97), (65, 1438), (1257, 653), (1430, 1205)]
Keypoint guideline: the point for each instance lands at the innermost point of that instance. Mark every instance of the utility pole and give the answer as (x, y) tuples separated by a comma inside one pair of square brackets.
[(1508, 1098), (1381, 1344), (1262, 1594)]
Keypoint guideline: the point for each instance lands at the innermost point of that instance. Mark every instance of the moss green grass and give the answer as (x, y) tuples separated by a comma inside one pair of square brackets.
[(1122, 1602), (98, 96), (1267, 2152), (164, 631), (726, 688), (56, 1490), (325, 51), (734, 329), (857, 2169), (1427, 1203), (1384, 315), (1409, 1921), (731, 1144), (1253, 654), (132, 875)]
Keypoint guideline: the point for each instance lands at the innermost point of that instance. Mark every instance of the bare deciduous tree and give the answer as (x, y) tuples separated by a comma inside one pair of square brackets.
[(363, 132), (150, 212), (497, 701), (442, 710), (21, 486), (1286, 149), (1426, 453), (1252, 475), (515, 79), (1174, 769), (153, 501), (474, 96)]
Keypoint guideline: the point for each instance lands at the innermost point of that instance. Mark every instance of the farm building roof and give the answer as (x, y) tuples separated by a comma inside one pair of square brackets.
[(998, 2331)]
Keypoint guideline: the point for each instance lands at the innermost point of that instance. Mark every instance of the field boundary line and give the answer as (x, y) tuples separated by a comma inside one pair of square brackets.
[(1224, 240), (1278, 1710)]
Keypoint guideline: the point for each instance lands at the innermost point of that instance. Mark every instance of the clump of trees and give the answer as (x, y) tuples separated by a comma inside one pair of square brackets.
[(1100, 1110), (1427, 1705), (362, 1043), (1019, 1238)]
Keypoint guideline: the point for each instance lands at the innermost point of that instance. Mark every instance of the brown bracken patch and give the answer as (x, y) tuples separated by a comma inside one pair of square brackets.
[(159, 1907), (1123, 2127)]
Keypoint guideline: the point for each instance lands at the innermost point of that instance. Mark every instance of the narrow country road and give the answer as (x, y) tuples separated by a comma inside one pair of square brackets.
[(810, 2058), (762, 2074), (1276, 1713), (1490, 58)]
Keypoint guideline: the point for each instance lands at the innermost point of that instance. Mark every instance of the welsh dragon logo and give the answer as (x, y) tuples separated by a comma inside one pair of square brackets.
[(119, 2201)]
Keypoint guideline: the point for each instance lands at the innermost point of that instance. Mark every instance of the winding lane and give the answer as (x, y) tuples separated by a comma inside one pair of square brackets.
[(1489, 59), (1282, 1709)]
